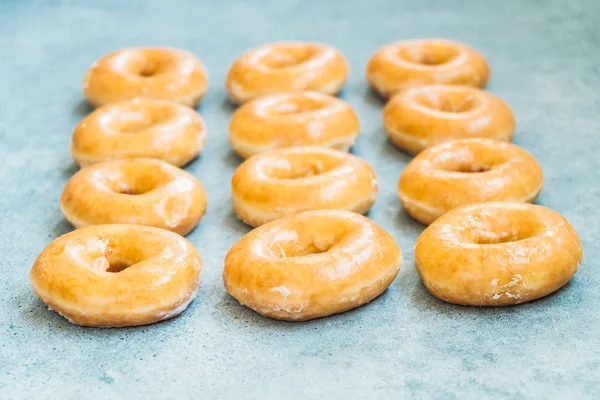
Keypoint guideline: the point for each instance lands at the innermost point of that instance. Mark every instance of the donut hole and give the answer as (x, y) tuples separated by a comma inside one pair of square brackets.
[(133, 190), (148, 71), (153, 66), (109, 257), (428, 54), (141, 120), (489, 237), (297, 105), (468, 168), (146, 63), (502, 226), (288, 57), (116, 260), (137, 185), (115, 266), (133, 180), (136, 123), (469, 157), (135, 126), (296, 166), (301, 248), (448, 102)]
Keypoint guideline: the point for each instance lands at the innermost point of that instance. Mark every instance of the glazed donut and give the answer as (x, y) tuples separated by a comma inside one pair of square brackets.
[(286, 181), (497, 254), (148, 72), (311, 265), (467, 171), (424, 116), (286, 67), (134, 191), (293, 119), (117, 275), (139, 128), (413, 63)]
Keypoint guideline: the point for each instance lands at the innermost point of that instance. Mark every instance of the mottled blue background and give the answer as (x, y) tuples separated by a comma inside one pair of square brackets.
[(545, 62)]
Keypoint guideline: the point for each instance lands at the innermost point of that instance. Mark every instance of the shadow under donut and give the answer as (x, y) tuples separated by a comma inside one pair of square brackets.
[(38, 313), (234, 223), (234, 310), (425, 301), (228, 106), (373, 98), (62, 227), (68, 172), (407, 222), (82, 109), (231, 159)]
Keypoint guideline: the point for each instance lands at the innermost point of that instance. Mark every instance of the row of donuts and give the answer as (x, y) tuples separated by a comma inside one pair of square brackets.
[(127, 264), (495, 248), (301, 68), (414, 119), (485, 245), (176, 134), (177, 75), (142, 127), (292, 180), (116, 275)]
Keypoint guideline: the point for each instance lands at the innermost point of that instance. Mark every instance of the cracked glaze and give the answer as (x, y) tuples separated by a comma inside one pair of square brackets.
[(293, 119), (467, 171), (311, 264), (411, 63), (139, 128), (134, 191), (497, 254), (146, 72), (285, 181), (422, 117), (286, 67), (162, 275)]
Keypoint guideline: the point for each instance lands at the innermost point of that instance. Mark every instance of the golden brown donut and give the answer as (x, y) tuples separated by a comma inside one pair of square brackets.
[(497, 254), (286, 181), (134, 191), (293, 119), (117, 275), (311, 264), (467, 171), (148, 72), (139, 128), (286, 67), (424, 116), (411, 63)]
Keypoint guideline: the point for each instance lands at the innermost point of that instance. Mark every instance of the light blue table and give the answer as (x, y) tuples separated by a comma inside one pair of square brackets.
[(544, 57)]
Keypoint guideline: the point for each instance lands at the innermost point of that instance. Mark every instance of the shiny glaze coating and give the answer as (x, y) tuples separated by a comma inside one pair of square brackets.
[(145, 128), (117, 275), (411, 63), (467, 171), (293, 119), (286, 181), (146, 72), (134, 191), (286, 67), (421, 117), (311, 264), (497, 254)]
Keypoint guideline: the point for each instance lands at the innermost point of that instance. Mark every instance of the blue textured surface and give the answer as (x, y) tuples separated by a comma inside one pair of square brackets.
[(544, 57)]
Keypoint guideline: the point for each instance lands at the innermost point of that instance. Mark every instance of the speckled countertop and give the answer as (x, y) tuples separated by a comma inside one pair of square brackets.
[(544, 57)]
